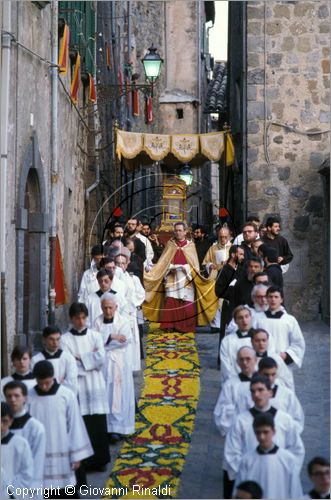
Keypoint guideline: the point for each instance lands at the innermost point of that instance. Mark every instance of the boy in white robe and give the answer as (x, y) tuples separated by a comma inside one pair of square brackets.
[(319, 473), (87, 347), (89, 283), (282, 398), (105, 282), (64, 364), (231, 343), (224, 411), (28, 427), (135, 297), (248, 490), (241, 438), (260, 342), (21, 360), (67, 442), (16, 457), (116, 334), (283, 328), (273, 468)]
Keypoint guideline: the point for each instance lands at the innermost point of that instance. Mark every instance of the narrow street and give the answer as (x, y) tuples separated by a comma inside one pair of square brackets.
[(202, 476)]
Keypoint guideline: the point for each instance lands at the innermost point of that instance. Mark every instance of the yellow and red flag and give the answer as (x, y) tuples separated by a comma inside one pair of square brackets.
[(107, 50), (149, 109), (75, 81), (64, 51), (135, 99), (92, 94)]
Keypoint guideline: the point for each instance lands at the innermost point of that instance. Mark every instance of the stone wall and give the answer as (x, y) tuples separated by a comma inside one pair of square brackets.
[(288, 82), (30, 94)]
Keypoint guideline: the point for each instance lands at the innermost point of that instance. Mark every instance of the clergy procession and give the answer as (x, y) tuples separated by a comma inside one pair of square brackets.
[(64, 408)]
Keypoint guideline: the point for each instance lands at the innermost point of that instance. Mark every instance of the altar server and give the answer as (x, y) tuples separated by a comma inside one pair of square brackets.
[(64, 364), (28, 427), (241, 438), (273, 468), (106, 284), (319, 474), (116, 334), (87, 347), (231, 343), (21, 360), (283, 328), (260, 342), (224, 411), (135, 297), (16, 457), (67, 441)]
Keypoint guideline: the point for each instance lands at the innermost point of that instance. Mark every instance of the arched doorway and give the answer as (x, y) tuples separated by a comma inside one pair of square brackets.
[(32, 228)]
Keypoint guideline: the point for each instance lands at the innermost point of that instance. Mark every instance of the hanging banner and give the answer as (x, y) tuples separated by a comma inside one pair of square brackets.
[(64, 51), (92, 95), (75, 81), (60, 286), (139, 149)]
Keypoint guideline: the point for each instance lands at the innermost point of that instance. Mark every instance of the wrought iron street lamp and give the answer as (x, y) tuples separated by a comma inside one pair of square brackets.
[(186, 175), (152, 63)]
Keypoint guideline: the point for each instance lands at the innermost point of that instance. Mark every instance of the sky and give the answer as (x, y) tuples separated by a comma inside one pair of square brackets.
[(218, 35)]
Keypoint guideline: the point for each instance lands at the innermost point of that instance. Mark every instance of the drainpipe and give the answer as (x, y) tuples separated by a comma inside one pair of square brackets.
[(54, 159), (244, 110), (5, 74), (199, 67)]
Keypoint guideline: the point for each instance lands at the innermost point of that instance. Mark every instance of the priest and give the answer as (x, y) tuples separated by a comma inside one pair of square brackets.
[(177, 295)]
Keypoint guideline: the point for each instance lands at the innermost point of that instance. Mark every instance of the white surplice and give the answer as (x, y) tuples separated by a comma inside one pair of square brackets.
[(284, 399), (285, 332), (241, 439), (284, 373), (91, 383), (65, 367), (135, 296), (224, 412), (17, 462), (29, 383), (67, 439), (34, 432), (118, 375), (228, 353), (93, 304), (89, 283), (277, 474)]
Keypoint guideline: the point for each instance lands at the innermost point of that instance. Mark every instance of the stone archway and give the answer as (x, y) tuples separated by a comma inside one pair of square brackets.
[(32, 229)]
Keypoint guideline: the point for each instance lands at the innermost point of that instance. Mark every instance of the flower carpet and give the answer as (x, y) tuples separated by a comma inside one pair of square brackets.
[(151, 460)]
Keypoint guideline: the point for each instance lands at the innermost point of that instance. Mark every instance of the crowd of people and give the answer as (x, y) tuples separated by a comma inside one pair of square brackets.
[(62, 407)]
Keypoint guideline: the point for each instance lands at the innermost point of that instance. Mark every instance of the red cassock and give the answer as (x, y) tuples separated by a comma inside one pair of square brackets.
[(178, 314)]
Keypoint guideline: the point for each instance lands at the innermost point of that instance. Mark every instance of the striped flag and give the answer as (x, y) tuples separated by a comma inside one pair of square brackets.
[(92, 95), (149, 109), (107, 50), (64, 51), (135, 104), (75, 81)]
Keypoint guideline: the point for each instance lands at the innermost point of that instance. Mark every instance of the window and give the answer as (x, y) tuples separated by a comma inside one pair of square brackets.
[(80, 17)]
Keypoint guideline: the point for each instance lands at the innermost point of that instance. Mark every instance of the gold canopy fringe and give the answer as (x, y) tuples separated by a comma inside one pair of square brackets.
[(195, 148)]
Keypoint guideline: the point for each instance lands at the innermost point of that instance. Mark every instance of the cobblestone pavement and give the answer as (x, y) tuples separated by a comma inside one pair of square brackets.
[(202, 473)]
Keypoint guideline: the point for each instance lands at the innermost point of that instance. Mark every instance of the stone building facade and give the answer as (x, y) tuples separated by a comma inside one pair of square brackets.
[(29, 162), (283, 131), (179, 93)]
